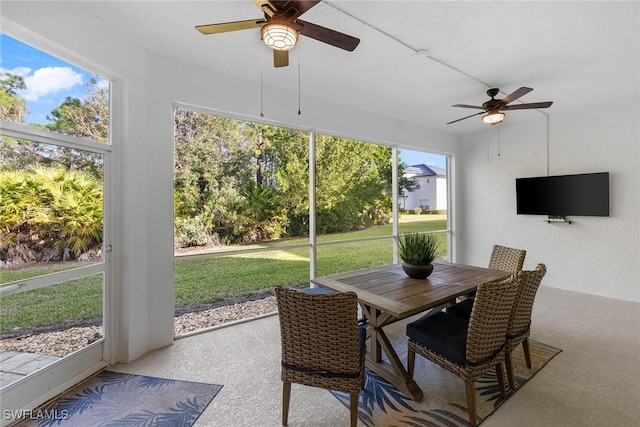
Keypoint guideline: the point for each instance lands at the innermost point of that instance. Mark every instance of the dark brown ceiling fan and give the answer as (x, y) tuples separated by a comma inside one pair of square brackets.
[(280, 28), (492, 108)]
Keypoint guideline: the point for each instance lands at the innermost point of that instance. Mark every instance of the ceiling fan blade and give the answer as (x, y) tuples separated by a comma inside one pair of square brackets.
[(230, 26), (474, 114), (301, 6), (329, 36), (468, 106), (528, 106), (515, 95), (280, 58)]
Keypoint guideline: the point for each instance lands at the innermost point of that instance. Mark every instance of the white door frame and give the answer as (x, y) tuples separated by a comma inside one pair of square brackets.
[(49, 381)]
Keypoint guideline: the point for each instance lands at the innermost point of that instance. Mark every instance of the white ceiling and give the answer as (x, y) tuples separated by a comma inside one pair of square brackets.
[(415, 58)]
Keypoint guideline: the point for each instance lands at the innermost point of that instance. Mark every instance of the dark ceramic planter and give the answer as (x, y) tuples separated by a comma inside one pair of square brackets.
[(417, 271)]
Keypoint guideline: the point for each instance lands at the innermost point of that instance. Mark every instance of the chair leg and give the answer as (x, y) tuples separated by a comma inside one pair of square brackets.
[(286, 397), (353, 406), (411, 362), (471, 401), (500, 375), (509, 364), (527, 352)]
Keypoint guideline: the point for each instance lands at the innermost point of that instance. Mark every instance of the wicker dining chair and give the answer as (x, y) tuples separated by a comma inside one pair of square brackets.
[(507, 259), (321, 344), (519, 326), (502, 258), (467, 349)]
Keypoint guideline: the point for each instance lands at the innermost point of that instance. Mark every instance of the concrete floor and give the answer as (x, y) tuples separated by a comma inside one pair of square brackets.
[(595, 381)]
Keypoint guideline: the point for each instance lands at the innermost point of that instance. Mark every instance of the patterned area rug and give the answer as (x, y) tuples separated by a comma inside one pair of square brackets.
[(116, 399), (444, 403)]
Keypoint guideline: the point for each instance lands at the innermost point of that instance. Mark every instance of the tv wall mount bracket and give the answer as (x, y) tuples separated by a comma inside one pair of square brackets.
[(558, 218)]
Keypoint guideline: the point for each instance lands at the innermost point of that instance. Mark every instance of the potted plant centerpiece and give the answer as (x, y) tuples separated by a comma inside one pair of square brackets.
[(418, 252)]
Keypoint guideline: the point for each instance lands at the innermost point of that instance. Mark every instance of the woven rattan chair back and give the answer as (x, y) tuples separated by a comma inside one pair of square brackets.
[(507, 259), (519, 325), (320, 345), (520, 318), (486, 335)]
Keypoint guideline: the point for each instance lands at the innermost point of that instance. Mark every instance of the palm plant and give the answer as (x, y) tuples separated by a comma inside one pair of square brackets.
[(46, 207)]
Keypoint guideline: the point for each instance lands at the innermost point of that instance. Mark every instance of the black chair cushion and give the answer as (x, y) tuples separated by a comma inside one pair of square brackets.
[(462, 309), (442, 333)]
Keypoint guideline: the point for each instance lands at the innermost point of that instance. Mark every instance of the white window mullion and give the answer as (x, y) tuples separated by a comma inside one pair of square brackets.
[(395, 213), (19, 131), (312, 206), (50, 279)]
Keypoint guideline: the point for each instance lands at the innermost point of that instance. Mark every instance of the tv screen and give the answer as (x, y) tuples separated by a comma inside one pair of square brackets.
[(562, 195)]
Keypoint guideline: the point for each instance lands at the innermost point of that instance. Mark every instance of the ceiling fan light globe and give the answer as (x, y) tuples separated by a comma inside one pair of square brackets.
[(494, 117), (279, 36)]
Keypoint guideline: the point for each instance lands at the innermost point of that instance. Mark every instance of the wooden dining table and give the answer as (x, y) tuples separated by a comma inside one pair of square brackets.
[(386, 295)]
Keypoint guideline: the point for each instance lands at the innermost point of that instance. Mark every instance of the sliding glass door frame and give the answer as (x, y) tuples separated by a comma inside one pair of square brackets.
[(49, 381)]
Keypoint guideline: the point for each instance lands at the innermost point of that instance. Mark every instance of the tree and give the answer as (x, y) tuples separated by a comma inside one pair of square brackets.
[(240, 182), (214, 168), (286, 162), (13, 108), (87, 118), (352, 184), (404, 184)]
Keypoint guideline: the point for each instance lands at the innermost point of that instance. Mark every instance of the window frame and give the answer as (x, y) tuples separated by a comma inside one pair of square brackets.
[(313, 243)]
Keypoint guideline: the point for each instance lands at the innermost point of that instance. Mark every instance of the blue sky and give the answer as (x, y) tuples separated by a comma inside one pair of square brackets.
[(49, 80), (417, 158)]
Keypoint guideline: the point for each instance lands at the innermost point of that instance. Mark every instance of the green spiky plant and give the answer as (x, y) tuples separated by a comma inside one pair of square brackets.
[(418, 249)]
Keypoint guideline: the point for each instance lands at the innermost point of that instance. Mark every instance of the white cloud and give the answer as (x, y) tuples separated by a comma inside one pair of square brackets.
[(20, 71), (48, 80)]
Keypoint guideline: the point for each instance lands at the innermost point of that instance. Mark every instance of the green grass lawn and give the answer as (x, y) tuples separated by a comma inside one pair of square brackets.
[(212, 280)]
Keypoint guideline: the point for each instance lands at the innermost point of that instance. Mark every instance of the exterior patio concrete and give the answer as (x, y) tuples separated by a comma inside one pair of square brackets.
[(16, 365)]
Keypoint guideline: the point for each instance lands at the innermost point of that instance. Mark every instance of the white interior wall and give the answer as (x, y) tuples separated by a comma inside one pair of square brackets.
[(595, 255)]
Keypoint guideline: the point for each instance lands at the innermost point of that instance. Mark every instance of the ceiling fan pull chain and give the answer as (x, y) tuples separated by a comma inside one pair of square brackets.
[(498, 140), (261, 84), (299, 91)]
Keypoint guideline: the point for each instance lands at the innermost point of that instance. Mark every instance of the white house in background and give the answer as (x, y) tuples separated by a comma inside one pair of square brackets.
[(430, 191)]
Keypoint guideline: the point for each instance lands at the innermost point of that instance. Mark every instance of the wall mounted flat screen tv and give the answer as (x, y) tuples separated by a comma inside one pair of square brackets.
[(562, 195)]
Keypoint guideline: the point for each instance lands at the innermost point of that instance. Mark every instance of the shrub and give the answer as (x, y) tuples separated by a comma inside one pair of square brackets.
[(191, 232), (49, 213)]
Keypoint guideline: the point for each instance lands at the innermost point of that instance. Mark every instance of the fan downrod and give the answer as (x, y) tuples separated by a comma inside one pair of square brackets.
[(493, 92)]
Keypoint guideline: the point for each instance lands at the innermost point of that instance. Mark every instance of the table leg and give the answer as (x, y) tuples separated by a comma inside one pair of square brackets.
[(375, 319), (394, 371)]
